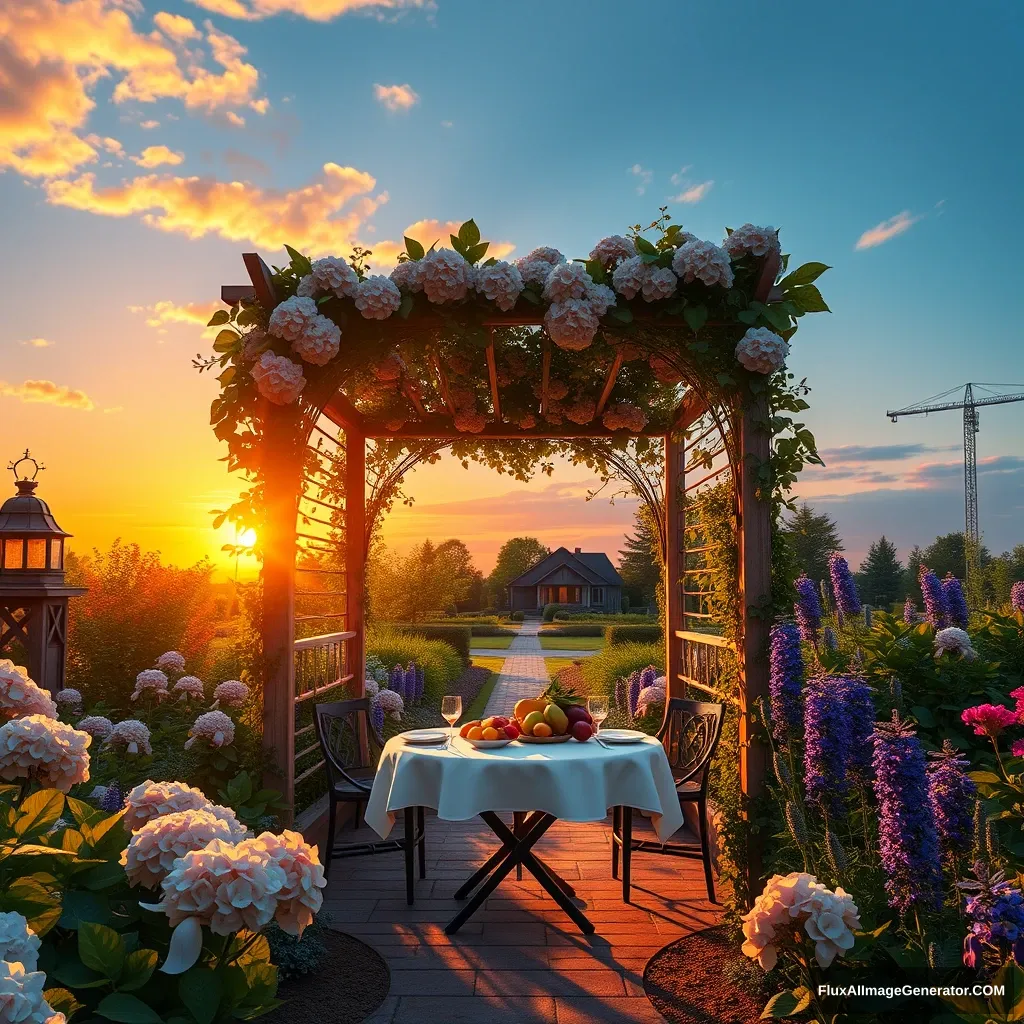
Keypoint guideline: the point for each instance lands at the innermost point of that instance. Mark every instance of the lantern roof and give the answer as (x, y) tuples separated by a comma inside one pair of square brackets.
[(26, 512)]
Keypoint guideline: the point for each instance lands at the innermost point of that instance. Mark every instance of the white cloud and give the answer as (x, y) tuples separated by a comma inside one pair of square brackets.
[(197, 314), (644, 178), (890, 228), (396, 97), (154, 156), (37, 343), (695, 193), (680, 176)]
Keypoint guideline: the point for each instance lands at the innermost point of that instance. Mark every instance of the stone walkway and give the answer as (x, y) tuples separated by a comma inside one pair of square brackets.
[(503, 652), (523, 674)]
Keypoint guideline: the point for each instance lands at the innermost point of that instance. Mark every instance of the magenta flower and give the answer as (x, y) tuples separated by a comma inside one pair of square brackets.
[(989, 719), (1017, 596), (1017, 748)]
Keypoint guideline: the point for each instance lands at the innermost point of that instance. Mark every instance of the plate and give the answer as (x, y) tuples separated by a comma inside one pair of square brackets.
[(622, 735), (424, 736), (489, 744), (544, 739)]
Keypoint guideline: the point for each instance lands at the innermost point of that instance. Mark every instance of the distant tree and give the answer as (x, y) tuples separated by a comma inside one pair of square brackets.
[(999, 579), (427, 581), (915, 559), (946, 554), (455, 557), (812, 537), (515, 557), (881, 574), (640, 564)]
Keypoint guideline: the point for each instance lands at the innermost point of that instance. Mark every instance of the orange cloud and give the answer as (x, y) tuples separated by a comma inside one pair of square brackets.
[(695, 193), (176, 26), (315, 10), (396, 97), (890, 228), (321, 218), (48, 392), (154, 156), (167, 312), (386, 253), (150, 124), (37, 343)]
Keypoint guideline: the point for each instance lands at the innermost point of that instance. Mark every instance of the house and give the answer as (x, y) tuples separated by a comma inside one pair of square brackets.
[(584, 578)]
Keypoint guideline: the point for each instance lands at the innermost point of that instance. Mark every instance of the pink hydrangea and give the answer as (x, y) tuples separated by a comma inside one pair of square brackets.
[(131, 736), (278, 378), (300, 897), (291, 318), (332, 274), (98, 727), (214, 727), (762, 351), (68, 699), (1017, 748), (629, 276), (153, 849), (446, 276), (601, 299), (533, 272), (567, 281), (757, 241), (378, 297), (171, 661), (232, 693), (189, 686), (20, 696), (581, 410), (571, 324), (470, 421), (703, 261), (624, 416), (150, 682), (22, 999), (658, 283), (44, 749), (501, 283), (150, 800), (319, 342), (613, 249), (408, 275), (989, 719)]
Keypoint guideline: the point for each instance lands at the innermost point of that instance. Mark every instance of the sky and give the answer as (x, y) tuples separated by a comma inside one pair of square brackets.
[(144, 145)]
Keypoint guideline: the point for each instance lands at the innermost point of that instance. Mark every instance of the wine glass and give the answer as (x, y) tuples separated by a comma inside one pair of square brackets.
[(451, 712), (598, 708)]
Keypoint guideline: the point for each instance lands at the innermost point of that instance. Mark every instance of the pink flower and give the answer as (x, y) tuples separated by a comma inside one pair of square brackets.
[(171, 661), (45, 749), (151, 800), (989, 719), (300, 897), (189, 686), (20, 696), (150, 682), (98, 727), (278, 378), (215, 727), (1017, 748), (132, 736), (232, 693)]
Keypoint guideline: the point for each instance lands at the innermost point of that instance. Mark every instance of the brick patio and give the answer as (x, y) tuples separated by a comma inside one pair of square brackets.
[(519, 958)]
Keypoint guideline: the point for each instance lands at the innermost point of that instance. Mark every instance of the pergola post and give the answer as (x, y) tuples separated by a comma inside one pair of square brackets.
[(755, 570), (673, 564), (355, 555)]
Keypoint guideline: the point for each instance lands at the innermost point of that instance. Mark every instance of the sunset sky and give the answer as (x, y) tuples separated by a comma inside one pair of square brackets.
[(145, 145)]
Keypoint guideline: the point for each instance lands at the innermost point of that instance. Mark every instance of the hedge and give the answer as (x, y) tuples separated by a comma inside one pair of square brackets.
[(579, 629), (456, 637), (550, 611), (601, 670), (611, 619), (633, 634), (400, 644), (485, 630), (516, 617)]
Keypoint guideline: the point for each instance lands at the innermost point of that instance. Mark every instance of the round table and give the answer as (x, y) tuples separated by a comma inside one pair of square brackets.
[(572, 781)]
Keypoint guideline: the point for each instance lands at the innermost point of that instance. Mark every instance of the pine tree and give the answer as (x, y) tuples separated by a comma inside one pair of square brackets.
[(812, 536), (640, 564), (881, 574)]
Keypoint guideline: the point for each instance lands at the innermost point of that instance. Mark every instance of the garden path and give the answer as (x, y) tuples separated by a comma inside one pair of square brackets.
[(523, 674)]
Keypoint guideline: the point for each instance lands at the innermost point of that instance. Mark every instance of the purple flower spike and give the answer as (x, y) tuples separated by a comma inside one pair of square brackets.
[(935, 604), (995, 910), (634, 693), (421, 681), (909, 611), (377, 718), (786, 679), (1017, 596), (952, 795), (955, 601), (807, 609), (113, 798), (859, 702), (843, 585), (907, 837), (827, 740), (409, 679), (648, 676), (398, 681)]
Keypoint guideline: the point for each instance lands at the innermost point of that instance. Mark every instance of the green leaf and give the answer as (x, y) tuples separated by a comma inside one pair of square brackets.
[(748, 316), (83, 906), (806, 274), (458, 245), (257, 953), (786, 1004), (777, 317), (101, 948), (923, 716), (73, 973), (38, 812), (300, 263), (621, 313), (809, 299), (225, 341), (106, 838), (127, 1010), (35, 900), (984, 777), (475, 253), (222, 316), (645, 248), (696, 317), (200, 991), (62, 1001), (83, 812), (414, 248), (247, 317), (469, 234), (138, 967)]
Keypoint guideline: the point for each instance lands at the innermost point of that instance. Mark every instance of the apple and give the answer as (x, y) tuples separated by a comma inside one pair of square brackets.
[(512, 731), (581, 731)]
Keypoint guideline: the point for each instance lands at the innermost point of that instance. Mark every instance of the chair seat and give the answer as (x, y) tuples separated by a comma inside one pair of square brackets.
[(688, 790), (346, 790)]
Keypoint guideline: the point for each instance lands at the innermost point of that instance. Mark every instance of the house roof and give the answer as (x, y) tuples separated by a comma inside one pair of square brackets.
[(593, 566)]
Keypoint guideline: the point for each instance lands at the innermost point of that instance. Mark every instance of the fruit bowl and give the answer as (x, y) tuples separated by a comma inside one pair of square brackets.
[(489, 744), (545, 739)]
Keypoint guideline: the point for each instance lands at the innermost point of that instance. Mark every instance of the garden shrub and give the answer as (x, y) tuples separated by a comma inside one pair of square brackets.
[(441, 663), (456, 637), (516, 617), (574, 630), (297, 957), (633, 633), (605, 618), (601, 670), (492, 631), (550, 610)]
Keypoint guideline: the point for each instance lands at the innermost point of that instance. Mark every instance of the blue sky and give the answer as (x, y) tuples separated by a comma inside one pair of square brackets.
[(549, 123)]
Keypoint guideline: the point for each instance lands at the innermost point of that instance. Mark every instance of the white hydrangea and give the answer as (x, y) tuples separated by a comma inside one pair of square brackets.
[(409, 276), (278, 378), (371, 687), (445, 276), (306, 288), (650, 697), (18, 943), (132, 736), (171, 661), (320, 341), (545, 254), (69, 698), (20, 696), (21, 995), (533, 272), (567, 281), (749, 238), (601, 299), (613, 249), (333, 274), (215, 727), (628, 277), (703, 261), (292, 317), (98, 727), (659, 283), (391, 702), (44, 749), (189, 686), (572, 324), (233, 693), (378, 297), (954, 640), (501, 283), (150, 682), (762, 351)]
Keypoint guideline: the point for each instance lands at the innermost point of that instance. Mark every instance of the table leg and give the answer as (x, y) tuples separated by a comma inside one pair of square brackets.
[(518, 817), (410, 851), (530, 860), (627, 850)]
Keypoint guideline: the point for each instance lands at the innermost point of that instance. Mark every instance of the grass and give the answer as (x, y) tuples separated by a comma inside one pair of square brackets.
[(490, 643), (571, 643), (476, 709), (555, 665)]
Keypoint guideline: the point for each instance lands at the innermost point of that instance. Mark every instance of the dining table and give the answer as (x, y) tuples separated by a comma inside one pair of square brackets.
[(539, 784)]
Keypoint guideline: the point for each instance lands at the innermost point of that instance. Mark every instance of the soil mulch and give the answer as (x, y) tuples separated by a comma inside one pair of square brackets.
[(688, 982), (350, 983), (428, 715)]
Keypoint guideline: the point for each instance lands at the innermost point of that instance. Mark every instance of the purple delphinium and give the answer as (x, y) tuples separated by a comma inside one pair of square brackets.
[(621, 695), (113, 798), (634, 693), (859, 702), (955, 601), (785, 681), (826, 744), (907, 839), (807, 609), (952, 795), (409, 680), (647, 677), (909, 611), (421, 681), (830, 640), (995, 909), (377, 718), (397, 682), (1017, 596), (936, 607), (843, 586)]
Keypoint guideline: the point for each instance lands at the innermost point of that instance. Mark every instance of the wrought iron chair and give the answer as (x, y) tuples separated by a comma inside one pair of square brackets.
[(690, 733), (351, 751)]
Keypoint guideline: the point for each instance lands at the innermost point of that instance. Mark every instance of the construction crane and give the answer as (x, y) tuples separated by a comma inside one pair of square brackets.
[(970, 405)]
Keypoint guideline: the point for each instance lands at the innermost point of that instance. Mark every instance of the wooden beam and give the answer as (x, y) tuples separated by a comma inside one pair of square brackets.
[(262, 280), (442, 383), (441, 428), (492, 374), (341, 411), (609, 383), (674, 529), (545, 376), (231, 293), (355, 555), (766, 282), (689, 410)]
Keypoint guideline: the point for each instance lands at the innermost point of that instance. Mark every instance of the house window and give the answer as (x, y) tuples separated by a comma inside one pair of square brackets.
[(597, 595)]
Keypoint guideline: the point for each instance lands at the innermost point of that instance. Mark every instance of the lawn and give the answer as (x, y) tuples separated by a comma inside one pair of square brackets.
[(493, 665), (571, 643), (555, 665), (490, 643)]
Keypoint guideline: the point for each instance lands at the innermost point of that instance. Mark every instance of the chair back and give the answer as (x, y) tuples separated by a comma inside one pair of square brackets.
[(347, 742), (690, 733)]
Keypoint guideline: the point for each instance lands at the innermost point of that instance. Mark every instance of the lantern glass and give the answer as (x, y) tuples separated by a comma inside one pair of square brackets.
[(57, 553), (36, 553), (14, 553)]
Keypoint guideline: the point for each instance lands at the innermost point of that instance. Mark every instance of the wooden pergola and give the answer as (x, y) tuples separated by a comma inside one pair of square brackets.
[(693, 651)]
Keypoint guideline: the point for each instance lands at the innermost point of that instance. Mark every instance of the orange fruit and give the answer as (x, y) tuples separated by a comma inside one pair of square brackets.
[(476, 733), (542, 729), (464, 731), (490, 733)]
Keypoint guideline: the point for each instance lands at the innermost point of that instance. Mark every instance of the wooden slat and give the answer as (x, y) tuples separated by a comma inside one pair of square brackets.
[(410, 392), (689, 410), (441, 429), (675, 611), (711, 639), (262, 280), (763, 291), (232, 293), (609, 383), (341, 411), (355, 554), (545, 377), (442, 383), (492, 374)]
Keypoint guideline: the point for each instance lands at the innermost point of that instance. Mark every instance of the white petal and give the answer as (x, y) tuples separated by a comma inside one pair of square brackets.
[(186, 945)]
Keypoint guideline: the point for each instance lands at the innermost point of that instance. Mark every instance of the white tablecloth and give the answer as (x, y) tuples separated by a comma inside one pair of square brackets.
[(573, 781)]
